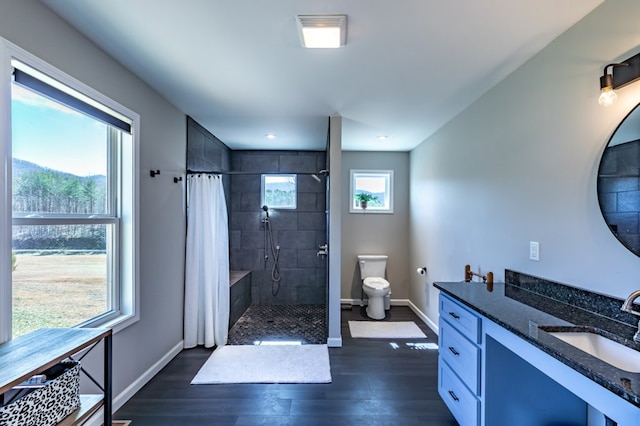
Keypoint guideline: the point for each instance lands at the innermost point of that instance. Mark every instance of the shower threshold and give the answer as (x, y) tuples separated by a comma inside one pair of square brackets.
[(273, 324)]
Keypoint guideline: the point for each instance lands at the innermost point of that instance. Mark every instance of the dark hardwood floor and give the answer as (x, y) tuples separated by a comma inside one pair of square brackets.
[(373, 383)]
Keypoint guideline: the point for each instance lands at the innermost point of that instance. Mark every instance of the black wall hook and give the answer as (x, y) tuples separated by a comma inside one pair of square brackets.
[(177, 179), (153, 173)]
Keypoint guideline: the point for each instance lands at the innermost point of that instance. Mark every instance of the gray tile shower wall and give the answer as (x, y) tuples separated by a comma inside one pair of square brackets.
[(619, 191), (240, 295), (205, 153), (298, 232)]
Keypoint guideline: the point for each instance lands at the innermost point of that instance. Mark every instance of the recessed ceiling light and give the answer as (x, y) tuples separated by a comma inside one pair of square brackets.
[(382, 138), (322, 31), (270, 136)]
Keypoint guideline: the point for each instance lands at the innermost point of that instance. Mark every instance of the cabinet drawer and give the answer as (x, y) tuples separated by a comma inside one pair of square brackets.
[(462, 356), (464, 406), (461, 318)]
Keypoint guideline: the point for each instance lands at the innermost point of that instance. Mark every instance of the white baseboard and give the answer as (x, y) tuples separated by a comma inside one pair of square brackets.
[(353, 302), (125, 395), (397, 302), (334, 342), (433, 326)]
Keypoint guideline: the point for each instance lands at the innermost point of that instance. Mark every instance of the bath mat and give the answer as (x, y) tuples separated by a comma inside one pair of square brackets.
[(266, 364), (385, 330)]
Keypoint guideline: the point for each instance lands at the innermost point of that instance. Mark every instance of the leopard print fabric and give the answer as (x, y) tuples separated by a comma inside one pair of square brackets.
[(46, 406)]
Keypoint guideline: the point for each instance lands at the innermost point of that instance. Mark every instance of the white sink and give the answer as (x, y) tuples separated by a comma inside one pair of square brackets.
[(607, 350)]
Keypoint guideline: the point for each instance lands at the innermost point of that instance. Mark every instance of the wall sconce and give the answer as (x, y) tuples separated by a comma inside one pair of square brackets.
[(622, 74)]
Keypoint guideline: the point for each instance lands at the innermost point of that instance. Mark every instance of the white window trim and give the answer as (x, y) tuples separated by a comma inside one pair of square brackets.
[(262, 190), (376, 210), (129, 232)]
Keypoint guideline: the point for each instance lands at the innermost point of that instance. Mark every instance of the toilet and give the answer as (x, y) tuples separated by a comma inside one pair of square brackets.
[(377, 289)]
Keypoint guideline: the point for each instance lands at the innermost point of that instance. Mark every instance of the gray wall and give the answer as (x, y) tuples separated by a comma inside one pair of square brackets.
[(137, 348), (520, 165), (299, 232), (369, 233)]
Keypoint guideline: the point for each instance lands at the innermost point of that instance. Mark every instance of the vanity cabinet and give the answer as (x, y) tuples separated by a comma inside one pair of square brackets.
[(496, 367), (460, 350)]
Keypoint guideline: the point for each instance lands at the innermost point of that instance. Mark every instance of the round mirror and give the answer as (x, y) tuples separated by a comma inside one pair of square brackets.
[(619, 182)]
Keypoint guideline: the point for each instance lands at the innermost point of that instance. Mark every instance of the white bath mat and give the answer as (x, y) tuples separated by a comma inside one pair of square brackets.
[(385, 330), (266, 364)]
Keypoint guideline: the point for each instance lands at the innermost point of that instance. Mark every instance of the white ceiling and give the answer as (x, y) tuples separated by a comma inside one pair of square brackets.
[(237, 66)]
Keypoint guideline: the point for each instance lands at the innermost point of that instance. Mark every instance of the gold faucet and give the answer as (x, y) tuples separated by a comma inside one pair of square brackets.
[(627, 306)]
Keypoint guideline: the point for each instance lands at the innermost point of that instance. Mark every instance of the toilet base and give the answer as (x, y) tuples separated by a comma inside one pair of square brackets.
[(375, 308)]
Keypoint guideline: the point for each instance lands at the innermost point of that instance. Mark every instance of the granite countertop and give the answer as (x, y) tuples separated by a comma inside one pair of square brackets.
[(524, 313)]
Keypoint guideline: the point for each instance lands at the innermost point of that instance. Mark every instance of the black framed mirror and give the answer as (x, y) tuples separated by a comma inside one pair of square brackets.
[(619, 182)]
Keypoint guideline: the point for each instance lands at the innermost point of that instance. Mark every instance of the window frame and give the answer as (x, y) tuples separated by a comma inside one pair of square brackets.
[(263, 189), (354, 207), (126, 242)]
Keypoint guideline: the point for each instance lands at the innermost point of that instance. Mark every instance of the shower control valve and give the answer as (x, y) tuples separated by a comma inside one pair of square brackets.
[(323, 250)]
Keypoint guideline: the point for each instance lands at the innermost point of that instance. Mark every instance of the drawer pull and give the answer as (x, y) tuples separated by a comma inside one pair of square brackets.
[(453, 395), (454, 315), (453, 351)]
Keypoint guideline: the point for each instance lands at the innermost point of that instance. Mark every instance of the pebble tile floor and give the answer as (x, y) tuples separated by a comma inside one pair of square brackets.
[(307, 323)]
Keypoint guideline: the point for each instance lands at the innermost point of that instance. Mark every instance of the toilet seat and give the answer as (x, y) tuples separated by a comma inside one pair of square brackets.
[(376, 283)]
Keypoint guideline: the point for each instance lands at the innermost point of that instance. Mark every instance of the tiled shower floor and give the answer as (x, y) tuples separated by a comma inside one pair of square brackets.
[(306, 323)]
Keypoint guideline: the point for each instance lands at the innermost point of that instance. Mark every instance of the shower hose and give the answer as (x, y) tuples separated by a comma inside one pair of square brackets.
[(275, 252)]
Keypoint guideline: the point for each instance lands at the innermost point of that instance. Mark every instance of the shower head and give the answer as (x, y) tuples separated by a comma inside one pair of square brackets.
[(315, 177), (266, 210)]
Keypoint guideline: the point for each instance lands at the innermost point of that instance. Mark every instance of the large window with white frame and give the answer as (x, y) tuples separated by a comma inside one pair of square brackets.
[(72, 189)]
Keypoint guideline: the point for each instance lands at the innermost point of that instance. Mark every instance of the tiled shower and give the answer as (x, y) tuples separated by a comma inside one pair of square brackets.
[(299, 232)]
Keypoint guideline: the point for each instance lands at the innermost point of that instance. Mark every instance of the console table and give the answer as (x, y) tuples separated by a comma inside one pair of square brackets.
[(33, 353)]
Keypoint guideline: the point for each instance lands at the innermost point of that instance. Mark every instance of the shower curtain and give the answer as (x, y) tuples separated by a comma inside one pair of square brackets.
[(206, 300)]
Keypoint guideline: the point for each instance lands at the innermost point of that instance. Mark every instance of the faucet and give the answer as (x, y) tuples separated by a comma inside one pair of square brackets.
[(627, 306)]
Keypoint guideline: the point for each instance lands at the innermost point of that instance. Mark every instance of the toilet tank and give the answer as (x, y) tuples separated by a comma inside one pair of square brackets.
[(372, 265)]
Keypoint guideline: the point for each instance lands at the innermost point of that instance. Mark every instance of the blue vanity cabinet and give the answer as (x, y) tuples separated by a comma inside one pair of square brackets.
[(459, 360), (496, 367)]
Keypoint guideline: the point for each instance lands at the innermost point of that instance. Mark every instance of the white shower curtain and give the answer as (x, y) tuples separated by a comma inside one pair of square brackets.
[(206, 301)]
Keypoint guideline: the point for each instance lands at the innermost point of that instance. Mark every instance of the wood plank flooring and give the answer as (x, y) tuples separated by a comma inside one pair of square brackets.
[(374, 383)]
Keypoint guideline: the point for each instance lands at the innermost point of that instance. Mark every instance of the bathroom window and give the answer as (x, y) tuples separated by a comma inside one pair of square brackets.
[(373, 186), (279, 191), (72, 213)]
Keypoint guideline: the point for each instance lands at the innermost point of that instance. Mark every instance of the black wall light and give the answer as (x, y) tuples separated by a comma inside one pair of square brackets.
[(622, 74)]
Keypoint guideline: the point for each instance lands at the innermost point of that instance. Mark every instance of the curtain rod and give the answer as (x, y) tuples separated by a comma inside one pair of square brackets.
[(195, 172)]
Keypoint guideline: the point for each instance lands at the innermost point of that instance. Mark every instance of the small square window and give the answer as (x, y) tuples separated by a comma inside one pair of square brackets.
[(375, 188), (279, 191)]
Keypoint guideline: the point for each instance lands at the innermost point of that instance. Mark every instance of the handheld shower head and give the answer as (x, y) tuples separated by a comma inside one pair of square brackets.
[(266, 210), (313, 175)]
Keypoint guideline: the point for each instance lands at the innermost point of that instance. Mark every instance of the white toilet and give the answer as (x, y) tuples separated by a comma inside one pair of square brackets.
[(377, 289)]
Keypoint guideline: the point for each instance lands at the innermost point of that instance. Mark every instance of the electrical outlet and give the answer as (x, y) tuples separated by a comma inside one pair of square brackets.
[(534, 250)]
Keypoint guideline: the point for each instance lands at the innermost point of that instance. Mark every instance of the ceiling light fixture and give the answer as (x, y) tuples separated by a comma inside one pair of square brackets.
[(622, 74), (382, 138), (322, 31), (270, 136)]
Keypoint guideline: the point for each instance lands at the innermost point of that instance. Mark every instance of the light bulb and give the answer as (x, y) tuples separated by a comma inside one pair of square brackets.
[(607, 96)]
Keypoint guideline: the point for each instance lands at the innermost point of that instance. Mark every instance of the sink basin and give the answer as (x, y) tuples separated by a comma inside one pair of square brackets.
[(607, 350)]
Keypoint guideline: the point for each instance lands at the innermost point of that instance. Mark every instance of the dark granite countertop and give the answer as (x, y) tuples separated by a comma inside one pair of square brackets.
[(528, 314)]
